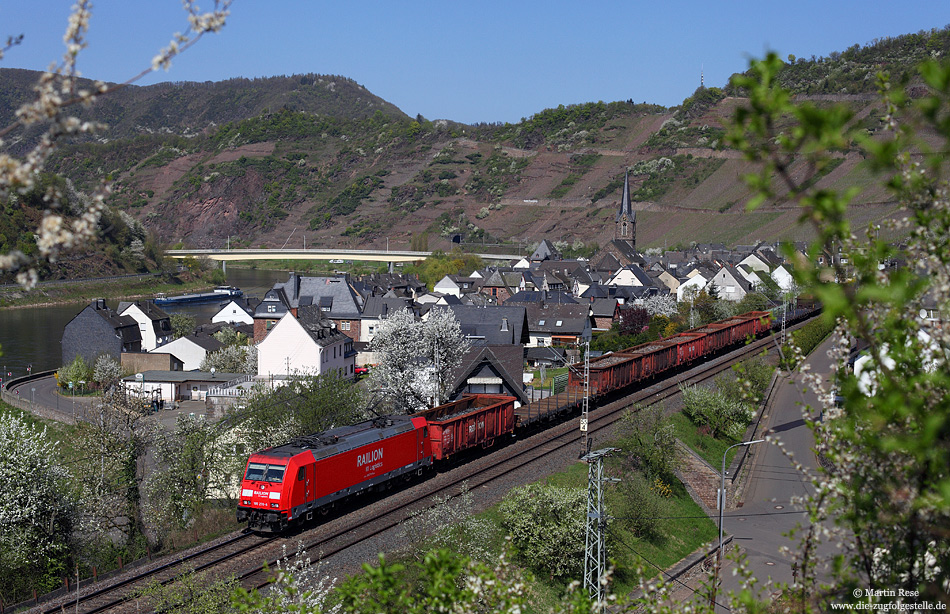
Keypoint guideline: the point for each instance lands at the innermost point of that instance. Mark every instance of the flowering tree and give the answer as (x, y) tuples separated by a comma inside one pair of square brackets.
[(547, 526), (106, 371), (232, 359), (417, 359), (57, 91), (661, 305), (193, 464), (36, 516), (112, 443)]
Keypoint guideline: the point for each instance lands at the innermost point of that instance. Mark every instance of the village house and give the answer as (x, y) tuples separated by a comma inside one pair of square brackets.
[(333, 296), (97, 330), (728, 284), (192, 349), (553, 324), (237, 311), (155, 326), (308, 344), (375, 310)]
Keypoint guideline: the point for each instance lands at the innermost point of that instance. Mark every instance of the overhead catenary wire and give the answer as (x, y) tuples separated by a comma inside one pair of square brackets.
[(662, 571)]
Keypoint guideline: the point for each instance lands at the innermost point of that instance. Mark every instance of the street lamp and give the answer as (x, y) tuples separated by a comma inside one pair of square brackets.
[(722, 505)]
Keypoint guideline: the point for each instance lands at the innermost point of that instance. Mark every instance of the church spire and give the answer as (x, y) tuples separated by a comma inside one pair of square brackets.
[(626, 217)]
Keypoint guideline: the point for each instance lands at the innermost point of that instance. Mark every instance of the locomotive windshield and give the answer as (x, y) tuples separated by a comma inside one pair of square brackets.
[(259, 472)]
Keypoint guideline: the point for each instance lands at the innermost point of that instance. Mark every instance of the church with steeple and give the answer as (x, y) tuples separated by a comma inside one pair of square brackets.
[(622, 250)]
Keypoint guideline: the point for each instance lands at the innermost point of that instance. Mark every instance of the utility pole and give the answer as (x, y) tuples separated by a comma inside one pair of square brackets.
[(595, 543), (585, 407)]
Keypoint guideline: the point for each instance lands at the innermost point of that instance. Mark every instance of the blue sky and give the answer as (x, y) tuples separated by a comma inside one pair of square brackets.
[(471, 62)]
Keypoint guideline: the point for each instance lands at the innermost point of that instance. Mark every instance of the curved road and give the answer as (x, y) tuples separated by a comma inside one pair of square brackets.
[(45, 395)]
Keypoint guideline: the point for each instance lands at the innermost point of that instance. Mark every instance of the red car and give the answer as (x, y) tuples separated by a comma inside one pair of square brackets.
[(362, 370)]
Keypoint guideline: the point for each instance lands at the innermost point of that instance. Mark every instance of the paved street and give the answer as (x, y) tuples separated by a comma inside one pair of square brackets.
[(760, 526), (46, 396)]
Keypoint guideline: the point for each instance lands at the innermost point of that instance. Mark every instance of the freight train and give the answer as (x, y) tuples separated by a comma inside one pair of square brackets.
[(287, 484)]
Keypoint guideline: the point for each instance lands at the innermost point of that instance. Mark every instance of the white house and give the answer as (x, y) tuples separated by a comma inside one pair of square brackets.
[(233, 313), (454, 284), (307, 344), (191, 350), (154, 324), (375, 310), (630, 275), (691, 287), (729, 284), (783, 278)]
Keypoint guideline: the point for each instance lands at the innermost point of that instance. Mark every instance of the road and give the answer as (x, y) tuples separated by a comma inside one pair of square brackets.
[(767, 515), (46, 396)]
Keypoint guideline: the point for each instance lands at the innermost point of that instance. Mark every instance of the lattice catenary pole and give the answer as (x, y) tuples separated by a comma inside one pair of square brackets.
[(595, 546)]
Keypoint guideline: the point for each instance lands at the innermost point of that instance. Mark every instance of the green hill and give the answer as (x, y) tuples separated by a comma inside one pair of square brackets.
[(254, 160)]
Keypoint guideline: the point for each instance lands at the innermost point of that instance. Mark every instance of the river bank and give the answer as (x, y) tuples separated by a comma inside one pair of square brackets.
[(68, 292)]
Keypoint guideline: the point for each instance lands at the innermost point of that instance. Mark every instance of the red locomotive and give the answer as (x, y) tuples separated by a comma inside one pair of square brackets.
[(287, 484)]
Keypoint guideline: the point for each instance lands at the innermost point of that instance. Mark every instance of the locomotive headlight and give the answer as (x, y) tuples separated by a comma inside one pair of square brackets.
[(275, 504), (245, 502)]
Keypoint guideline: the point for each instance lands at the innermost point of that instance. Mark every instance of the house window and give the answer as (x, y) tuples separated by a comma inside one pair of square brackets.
[(272, 309), (344, 326), (558, 323), (730, 289), (269, 324), (540, 322)]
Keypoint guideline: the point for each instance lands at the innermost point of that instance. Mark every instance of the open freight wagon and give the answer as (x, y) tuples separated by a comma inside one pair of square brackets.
[(473, 420)]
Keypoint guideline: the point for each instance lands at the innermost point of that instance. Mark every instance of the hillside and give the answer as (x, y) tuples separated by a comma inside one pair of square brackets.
[(259, 160)]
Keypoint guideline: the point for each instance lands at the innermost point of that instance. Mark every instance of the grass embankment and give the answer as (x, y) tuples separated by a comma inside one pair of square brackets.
[(707, 447), (683, 528), (549, 375), (67, 292), (716, 416)]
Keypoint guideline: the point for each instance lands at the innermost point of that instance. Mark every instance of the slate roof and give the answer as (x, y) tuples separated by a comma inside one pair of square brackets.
[(504, 361), (544, 319), (334, 294), (528, 297), (496, 325), (545, 251), (151, 311), (381, 307), (322, 330), (603, 307), (625, 206), (179, 377), (553, 354)]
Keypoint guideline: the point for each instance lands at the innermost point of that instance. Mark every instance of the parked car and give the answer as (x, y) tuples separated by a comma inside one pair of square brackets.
[(362, 370)]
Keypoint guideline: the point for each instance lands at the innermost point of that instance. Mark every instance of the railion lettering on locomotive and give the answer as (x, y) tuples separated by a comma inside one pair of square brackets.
[(369, 457)]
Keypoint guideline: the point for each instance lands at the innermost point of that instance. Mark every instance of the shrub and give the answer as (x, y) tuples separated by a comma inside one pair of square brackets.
[(713, 408), (547, 527)]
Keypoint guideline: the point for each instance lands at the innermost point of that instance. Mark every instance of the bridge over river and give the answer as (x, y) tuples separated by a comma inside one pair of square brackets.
[(391, 257)]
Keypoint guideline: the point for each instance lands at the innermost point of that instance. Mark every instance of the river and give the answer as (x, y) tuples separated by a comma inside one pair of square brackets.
[(30, 337)]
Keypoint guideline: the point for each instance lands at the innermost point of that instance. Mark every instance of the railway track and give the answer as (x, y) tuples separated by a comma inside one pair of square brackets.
[(248, 556)]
